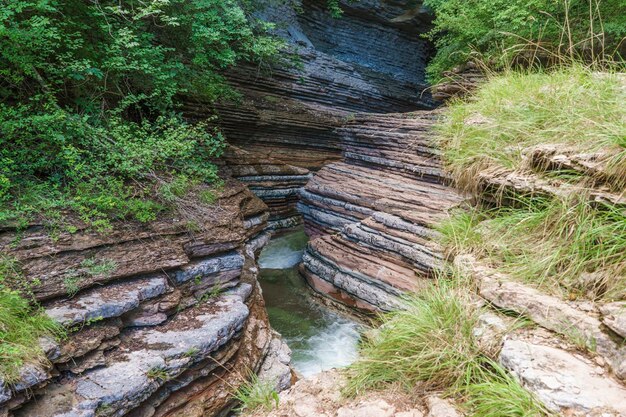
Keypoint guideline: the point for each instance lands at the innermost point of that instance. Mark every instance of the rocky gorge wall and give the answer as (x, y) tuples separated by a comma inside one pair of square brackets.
[(168, 328), (321, 141)]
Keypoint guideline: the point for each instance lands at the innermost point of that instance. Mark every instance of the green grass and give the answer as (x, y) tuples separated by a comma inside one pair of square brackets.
[(256, 394), (551, 243), (429, 341), (565, 244), (158, 374), (21, 325), (515, 111), (431, 344), (22, 322), (497, 394)]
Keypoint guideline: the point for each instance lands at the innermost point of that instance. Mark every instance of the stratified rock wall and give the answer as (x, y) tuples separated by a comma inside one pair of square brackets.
[(171, 323), (369, 60), (371, 216)]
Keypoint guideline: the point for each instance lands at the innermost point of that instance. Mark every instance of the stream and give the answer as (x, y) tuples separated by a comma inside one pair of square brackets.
[(320, 339)]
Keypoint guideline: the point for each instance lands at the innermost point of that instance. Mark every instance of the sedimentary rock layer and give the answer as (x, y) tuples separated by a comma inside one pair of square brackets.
[(292, 111), (371, 216), (159, 318)]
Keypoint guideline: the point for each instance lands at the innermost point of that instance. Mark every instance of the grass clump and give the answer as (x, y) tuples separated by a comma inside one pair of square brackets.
[(256, 394), (21, 326), (22, 323), (429, 341), (431, 344), (497, 394), (565, 243), (572, 107), (571, 247)]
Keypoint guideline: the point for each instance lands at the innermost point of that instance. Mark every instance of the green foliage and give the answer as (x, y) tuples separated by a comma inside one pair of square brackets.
[(88, 268), (431, 344), (21, 325), (89, 99), (158, 374), (551, 243), (493, 392), (498, 31), (256, 394), (334, 8)]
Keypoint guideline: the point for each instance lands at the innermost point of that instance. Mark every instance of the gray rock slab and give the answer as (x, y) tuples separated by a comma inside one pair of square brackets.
[(106, 302), (564, 381), (230, 261), (147, 359), (614, 317)]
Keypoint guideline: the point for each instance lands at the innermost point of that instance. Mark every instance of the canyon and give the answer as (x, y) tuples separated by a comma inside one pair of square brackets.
[(167, 318)]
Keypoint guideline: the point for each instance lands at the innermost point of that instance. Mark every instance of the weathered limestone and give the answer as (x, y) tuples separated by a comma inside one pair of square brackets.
[(321, 396), (564, 382), (614, 317), (565, 318), (500, 184), (275, 182)]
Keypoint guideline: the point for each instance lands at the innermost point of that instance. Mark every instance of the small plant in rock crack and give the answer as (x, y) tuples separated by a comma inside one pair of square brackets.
[(215, 291), (158, 374), (103, 410), (86, 323), (256, 394), (191, 352), (87, 268)]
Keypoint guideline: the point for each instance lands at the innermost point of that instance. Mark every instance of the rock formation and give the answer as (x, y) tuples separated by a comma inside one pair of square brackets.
[(168, 328), (371, 216)]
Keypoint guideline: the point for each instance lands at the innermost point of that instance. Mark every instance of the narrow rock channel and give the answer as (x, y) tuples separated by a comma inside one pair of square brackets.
[(319, 338)]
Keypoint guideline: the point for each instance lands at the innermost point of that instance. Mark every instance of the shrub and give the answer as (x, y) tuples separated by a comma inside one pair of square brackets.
[(89, 99), (531, 30)]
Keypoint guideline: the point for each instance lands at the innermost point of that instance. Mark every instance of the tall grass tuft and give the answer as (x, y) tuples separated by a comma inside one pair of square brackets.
[(21, 326), (256, 394), (431, 345), (572, 107), (430, 341), (495, 393), (569, 247)]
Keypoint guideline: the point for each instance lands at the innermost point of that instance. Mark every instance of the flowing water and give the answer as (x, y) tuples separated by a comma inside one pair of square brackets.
[(319, 338)]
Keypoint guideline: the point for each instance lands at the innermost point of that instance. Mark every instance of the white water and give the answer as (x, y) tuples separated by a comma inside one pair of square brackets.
[(284, 251), (319, 338)]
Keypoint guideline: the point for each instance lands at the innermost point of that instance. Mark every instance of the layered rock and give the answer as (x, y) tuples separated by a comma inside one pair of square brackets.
[(275, 182), (159, 318), (371, 216), (291, 111)]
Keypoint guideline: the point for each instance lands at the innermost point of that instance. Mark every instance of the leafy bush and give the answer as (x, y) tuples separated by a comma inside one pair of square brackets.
[(499, 30), (89, 97)]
